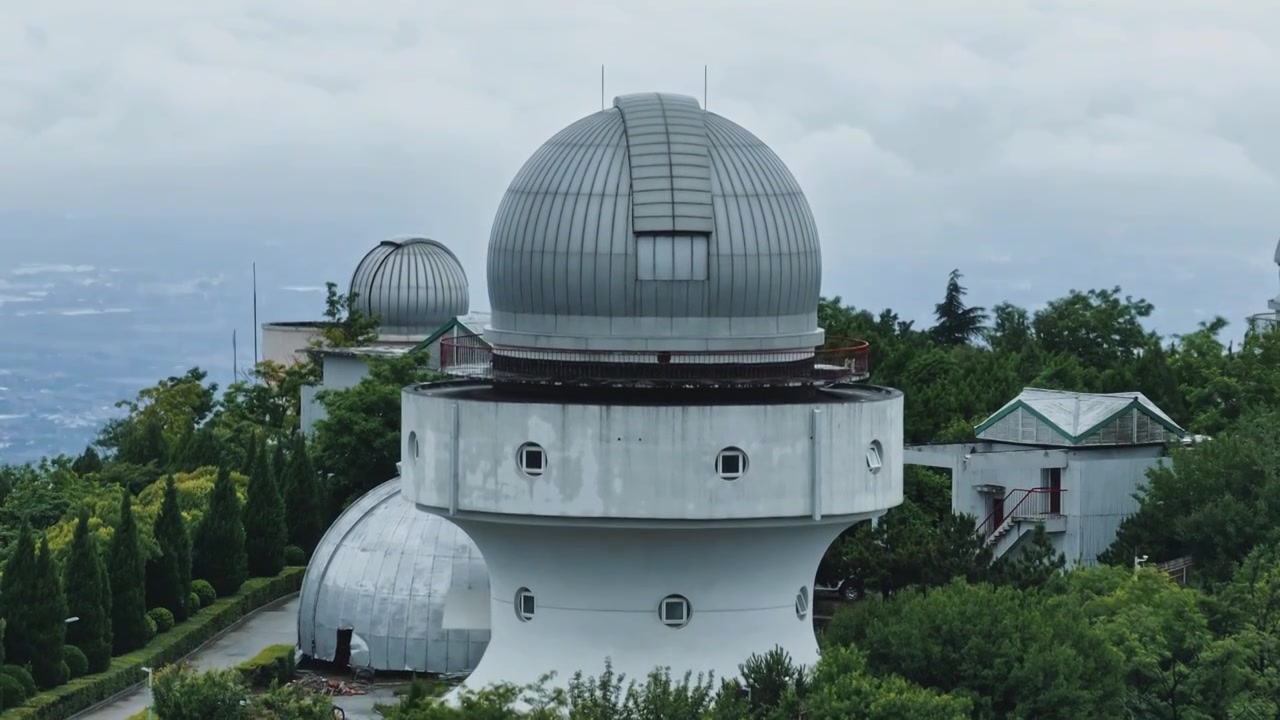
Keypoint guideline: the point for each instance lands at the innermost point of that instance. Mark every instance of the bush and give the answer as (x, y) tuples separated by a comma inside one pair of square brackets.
[(291, 702), (19, 673), (193, 604), (294, 556), (273, 664), (162, 618), (12, 694), (126, 670), (183, 694), (77, 662), (153, 628), (204, 591)]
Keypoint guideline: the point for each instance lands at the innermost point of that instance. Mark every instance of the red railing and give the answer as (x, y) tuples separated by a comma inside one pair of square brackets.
[(471, 356), (1020, 504)]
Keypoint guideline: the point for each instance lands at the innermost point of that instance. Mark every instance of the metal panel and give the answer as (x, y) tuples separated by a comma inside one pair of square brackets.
[(385, 569), (566, 236), (413, 285)]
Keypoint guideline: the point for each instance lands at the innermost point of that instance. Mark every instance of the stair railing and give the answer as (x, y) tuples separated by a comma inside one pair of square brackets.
[(1022, 503)]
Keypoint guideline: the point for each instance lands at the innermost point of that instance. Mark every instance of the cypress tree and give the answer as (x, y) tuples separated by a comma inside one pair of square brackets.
[(264, 525), (169, 575), (88, 597), (278, 466), (202, 449), (127, 576), (17, 591), (49, 622), (88, 462), (304, 501), (218, 550)]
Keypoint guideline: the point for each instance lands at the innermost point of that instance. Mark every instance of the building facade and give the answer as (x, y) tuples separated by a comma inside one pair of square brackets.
[(1071, 462)]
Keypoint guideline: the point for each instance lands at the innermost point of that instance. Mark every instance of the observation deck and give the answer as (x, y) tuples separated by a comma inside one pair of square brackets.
[(471, 357)]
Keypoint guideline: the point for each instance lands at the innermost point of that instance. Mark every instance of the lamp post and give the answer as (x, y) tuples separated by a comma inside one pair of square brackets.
[(73, 618), (150, 675)]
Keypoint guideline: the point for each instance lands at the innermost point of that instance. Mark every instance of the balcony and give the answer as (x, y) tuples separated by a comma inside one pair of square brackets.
[(471, 356)]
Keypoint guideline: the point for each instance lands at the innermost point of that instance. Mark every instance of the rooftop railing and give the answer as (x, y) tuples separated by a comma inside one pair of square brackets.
[(471, 356)]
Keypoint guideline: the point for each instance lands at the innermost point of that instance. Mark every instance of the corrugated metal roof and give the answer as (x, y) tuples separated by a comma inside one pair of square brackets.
[(384, 569), (414, 285), (654, 208), (1077, 414)]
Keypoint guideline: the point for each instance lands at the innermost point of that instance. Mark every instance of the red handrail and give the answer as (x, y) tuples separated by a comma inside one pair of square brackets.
[(1031, 503)]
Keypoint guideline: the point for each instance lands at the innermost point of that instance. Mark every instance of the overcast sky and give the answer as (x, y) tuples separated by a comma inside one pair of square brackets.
[(1037, 146)]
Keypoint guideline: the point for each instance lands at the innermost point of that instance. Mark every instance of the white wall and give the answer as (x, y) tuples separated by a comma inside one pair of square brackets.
[(281, 342)]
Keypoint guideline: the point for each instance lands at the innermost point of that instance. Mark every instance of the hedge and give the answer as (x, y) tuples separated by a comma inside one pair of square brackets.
[(273, 664), (182, 640)]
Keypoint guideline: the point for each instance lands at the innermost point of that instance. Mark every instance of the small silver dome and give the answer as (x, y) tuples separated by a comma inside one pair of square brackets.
[(384, 569), (654, 225), (414, 285)]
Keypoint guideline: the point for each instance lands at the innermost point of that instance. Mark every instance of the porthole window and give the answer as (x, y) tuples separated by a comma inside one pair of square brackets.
[(674, 611), (413, 445), (875, 457), (532, 459), (525, 605), (802, 603), (731, 463)]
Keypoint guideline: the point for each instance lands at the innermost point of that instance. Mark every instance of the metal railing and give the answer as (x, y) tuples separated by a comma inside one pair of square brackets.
[(471, 356), (1022, 504)]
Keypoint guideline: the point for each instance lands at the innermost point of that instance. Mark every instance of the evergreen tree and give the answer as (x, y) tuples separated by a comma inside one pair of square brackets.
[(201, 449), (278, 463), (304, 499), (169, 575), (958, 324), (218, 550), (88, 597), (126, 573), (88, 462), (48, 618), (264, 524), (17, 593)]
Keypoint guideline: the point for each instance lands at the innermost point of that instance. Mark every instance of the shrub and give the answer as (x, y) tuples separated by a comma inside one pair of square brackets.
[(294, 556), (291, 702), (19, 673), (152, 627), (12, 694), (162, 618), (77, 662), (204, 591), (273, 664), (193, 604), (183, 694)]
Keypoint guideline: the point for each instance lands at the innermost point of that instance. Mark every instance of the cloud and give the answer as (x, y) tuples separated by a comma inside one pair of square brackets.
[(926, 135)]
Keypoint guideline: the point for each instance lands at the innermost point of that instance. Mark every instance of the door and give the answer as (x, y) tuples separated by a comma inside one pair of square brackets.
[(1055, 491), (997, 514)]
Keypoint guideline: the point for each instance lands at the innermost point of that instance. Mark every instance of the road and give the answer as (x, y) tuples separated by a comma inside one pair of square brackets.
[(274, 625)]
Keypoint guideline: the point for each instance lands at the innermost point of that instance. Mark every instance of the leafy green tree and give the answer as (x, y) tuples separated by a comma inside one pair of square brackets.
[(88, 597), (88, 462), (200, 447), (306, 503), (958, 324), (264, 520), (48, 622), (127, 577), (1037, 564), (359, 441), (218, 549), (18, 599), (169, 573)]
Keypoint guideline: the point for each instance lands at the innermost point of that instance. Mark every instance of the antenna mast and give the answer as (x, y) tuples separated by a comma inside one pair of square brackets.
[(235, 358), (255, 316), (602, 87), (704, 87)]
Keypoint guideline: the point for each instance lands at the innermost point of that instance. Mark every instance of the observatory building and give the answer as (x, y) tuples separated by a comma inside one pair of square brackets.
[(655, 443), (376, 588), (1269, 320)]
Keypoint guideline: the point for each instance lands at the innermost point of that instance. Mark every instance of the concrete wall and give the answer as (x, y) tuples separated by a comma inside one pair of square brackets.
[(651, 461), (1098, 484), (281, 342), (338, 373)]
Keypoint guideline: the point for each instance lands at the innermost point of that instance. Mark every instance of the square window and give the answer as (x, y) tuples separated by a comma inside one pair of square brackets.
[(731, 464), (673, 611), (527, 605), (532, 459)]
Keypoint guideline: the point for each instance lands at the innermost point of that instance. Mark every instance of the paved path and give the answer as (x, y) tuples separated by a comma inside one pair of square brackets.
[(274, 625)]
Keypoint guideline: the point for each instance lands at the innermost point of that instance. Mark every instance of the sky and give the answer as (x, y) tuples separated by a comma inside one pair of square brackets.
[(1036, 146)]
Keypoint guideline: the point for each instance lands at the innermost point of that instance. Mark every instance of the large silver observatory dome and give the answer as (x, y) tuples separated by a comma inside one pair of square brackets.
[(414, 285), (654, 225), (383, 570)]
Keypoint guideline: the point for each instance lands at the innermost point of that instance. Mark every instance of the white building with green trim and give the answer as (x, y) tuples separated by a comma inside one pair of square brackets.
[(1069, 461)]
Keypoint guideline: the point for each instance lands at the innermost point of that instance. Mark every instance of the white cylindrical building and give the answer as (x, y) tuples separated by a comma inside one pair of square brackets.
[(656, 451)]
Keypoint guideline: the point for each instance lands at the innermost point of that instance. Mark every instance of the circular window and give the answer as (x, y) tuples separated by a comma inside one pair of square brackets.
[(731, 463), (674, 611), (413, 445), (802, 603), (532, 459), (875, 457), (525, 605)]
